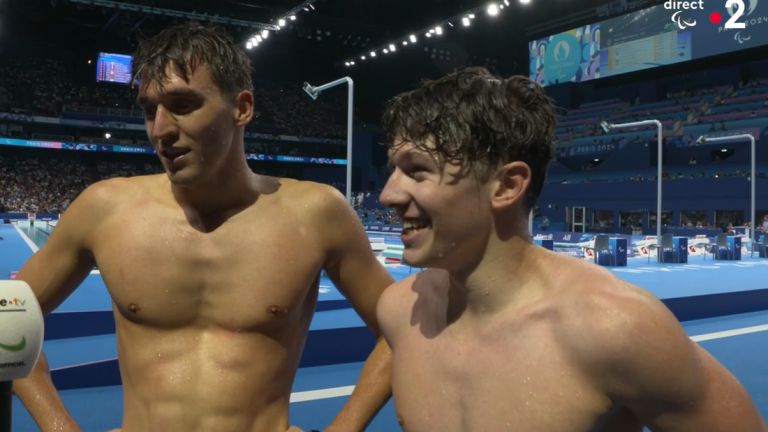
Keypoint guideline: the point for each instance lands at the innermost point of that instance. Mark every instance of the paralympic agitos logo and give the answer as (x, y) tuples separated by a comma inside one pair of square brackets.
[(682, 6)]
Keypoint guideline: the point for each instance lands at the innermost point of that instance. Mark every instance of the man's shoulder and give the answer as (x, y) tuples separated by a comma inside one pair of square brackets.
[(114, 191), (317, 204), (398, 299), (606, 319), (98, 203), (317, 196)]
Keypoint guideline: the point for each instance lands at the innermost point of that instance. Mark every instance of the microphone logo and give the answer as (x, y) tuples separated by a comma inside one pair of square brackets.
[(15, 348)]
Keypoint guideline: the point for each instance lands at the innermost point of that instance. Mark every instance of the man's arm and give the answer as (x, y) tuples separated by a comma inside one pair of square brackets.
[(53, 273), (361, 278), (669, 382)]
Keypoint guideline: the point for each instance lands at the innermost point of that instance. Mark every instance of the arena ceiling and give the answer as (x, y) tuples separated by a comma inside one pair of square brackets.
[(348, 25)]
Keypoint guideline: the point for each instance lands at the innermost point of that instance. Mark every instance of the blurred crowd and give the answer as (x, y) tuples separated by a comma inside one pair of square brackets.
[(31, 185), (43, 87)]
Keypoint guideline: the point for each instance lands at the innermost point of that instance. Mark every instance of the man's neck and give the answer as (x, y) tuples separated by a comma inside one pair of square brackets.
[(219, 199), (508, 274)]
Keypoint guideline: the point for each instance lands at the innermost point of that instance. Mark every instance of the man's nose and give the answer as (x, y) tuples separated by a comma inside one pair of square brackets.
[(164, 127), (393, 195)]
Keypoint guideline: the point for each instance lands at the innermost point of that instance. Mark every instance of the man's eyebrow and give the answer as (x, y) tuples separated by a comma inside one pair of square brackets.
[(415, 156), (185, 92)]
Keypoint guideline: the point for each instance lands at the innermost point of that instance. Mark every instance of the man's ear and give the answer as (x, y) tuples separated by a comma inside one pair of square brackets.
[(510, 185), (243, 108)]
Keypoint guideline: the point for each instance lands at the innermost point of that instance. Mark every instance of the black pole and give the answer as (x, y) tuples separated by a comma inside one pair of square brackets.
[(6, 405)]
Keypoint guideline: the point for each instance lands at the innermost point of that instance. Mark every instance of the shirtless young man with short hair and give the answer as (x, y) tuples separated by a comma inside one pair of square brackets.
[(499, 334), (213, 270)]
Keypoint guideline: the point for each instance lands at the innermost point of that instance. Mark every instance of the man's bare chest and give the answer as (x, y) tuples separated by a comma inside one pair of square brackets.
[(518, 384), (240, 276)]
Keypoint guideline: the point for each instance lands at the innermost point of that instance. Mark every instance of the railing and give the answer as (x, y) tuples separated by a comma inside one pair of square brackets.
[(104, 111)]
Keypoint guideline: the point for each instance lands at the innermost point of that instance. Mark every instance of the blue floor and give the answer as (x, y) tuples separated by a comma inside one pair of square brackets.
[(99, 409)]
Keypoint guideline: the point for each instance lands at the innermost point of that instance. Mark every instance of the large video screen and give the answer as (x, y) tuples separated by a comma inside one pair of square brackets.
[(570, 56), (652, 37), (113, 68), (643, 40)]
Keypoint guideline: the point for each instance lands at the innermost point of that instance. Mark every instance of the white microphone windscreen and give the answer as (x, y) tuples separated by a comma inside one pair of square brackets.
[(21, 330)]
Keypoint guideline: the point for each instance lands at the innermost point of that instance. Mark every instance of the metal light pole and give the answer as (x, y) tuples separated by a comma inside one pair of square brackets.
[(608, 126), (705, 138), (313, 92), (530, 223)]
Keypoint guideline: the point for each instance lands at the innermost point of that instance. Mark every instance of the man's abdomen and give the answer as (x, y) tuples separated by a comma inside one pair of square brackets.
[(205, 380)]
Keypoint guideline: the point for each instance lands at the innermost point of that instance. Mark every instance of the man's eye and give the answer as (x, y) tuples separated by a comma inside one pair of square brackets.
[(184, 107)]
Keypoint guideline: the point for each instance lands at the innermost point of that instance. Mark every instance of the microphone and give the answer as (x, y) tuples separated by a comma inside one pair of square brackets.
[(701, 139), (21, 340), (606, 127)]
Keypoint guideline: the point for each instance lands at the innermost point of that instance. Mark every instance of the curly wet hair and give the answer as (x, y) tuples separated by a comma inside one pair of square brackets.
[(479, 120)]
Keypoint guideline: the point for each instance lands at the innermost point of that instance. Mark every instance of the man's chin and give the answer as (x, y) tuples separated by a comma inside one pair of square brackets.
[(181, 178), (415, 259)]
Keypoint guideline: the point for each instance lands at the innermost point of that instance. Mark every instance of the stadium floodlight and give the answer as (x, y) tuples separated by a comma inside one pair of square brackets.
[(660, 128), (752, 173), (314, 92)]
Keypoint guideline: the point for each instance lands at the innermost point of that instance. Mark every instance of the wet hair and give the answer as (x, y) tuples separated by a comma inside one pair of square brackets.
[(480, 121), (188, 46)]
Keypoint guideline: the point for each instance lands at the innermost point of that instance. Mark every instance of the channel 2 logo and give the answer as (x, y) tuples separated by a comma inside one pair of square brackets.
[(735, 8)]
